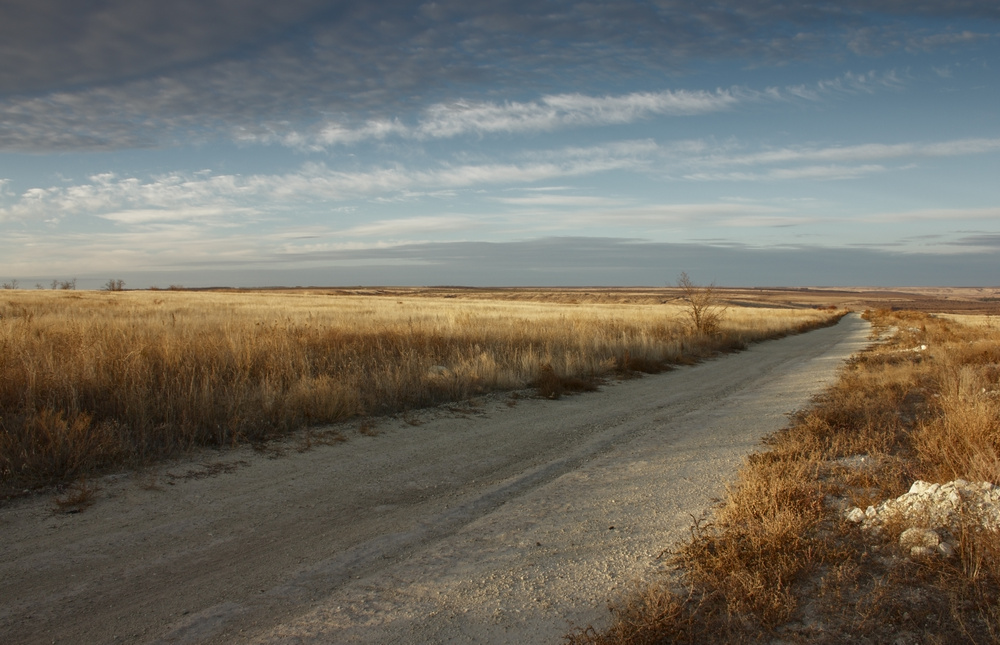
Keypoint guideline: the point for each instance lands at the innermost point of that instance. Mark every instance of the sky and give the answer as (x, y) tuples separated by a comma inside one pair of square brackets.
[(503, 143)]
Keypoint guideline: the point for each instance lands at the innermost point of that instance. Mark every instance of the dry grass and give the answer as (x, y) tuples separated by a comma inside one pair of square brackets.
[(779, 562), (92, 381)]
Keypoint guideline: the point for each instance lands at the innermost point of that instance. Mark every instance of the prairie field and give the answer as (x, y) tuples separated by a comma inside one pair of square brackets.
[(96, 381)]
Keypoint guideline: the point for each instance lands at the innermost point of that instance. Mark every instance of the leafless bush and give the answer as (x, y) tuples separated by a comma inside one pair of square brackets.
[(65, 285), (704, 310)]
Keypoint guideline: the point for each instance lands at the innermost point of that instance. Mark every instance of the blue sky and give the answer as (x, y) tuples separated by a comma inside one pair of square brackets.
[(253, 143)]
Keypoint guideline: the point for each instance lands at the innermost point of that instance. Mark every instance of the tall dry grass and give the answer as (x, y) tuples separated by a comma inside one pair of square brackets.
[(98, 380), (779, 561)]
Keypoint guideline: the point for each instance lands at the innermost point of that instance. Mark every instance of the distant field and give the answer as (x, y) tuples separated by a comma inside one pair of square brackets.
[(92, 381), (971, 300)]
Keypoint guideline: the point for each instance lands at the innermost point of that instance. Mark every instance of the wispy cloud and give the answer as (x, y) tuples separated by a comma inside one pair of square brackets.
[(558, 111), (560, 201), (214, 215), (726, 162), (848, 83), (402, 227), (210, 198), (553, 111), (639, 217), (870, 152), (985, 241), (820, 173), (468, 117), (938, 215), (131, 73), (178, 196)]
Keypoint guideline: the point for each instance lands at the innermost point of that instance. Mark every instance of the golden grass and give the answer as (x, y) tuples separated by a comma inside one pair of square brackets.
[(91, 381), (780, 562)]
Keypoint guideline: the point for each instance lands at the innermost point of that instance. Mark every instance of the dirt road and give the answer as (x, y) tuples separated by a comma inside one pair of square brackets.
[(487, 522)]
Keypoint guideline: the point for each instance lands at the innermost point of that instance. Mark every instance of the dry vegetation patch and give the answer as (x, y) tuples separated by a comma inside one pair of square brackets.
[(780, 562), (95, 381)]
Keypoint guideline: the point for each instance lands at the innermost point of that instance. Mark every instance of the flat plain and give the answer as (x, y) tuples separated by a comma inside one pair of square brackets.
[(497, 515)]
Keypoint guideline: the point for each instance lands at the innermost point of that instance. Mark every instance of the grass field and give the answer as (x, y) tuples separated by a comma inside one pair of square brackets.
[(96, 381), (780, 561)]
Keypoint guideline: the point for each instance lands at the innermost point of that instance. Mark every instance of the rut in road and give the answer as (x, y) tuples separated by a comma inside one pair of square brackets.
[(484, 523)]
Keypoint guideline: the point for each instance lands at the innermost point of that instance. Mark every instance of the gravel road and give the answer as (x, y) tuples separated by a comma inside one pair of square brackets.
[(497, 521)]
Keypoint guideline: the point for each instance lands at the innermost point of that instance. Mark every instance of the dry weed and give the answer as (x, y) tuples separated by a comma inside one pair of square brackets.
[(93, 380), (76, 497)]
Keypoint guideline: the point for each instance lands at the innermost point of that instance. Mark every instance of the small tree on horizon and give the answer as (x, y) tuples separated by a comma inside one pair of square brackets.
[(704, 310)]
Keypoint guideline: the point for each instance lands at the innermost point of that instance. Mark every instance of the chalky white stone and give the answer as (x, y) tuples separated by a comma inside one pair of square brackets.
[(932, 513)]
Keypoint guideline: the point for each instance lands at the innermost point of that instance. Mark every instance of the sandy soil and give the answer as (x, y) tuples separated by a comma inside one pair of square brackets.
[(499, 521)]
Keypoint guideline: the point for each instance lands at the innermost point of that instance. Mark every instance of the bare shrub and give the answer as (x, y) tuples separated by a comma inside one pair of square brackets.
[(76, 497), (553, 386), (704, 309)]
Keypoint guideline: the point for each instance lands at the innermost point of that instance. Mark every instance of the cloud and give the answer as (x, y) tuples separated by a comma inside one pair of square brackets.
[(193, 195), (767, 221), (640, 217), (986, 241), (938, 215), (559, 201), (48, 44), (214, 215), (570, 261), (203, 196), (138, 73), (562, 110), (929, 42), (869, 152), (412, 226), (554, 112), (821, 173), (848, 83), (171, 196), (464, 117), (717, 162)]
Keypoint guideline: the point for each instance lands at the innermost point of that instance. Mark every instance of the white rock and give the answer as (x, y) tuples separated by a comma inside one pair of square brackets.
[(919, 537), (854, 514), (945, 507)]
